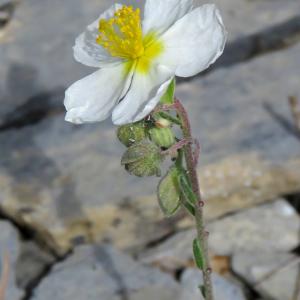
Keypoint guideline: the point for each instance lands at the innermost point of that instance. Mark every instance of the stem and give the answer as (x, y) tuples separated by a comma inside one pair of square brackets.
[(192, 172), (173, 150)]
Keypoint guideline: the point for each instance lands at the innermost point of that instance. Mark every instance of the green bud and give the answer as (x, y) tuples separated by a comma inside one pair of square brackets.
[(162, 137), (142, 159), (131, 133)]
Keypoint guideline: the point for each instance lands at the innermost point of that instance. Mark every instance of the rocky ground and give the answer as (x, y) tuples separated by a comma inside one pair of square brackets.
[(76, 226)]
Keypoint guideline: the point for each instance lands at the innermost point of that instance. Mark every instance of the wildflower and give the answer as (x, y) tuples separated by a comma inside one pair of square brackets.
[(139, 59)]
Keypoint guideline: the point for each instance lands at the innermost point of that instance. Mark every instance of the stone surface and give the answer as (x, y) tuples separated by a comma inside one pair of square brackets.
[(9, 250), (3, 2), (273, 275), (223, 289), (100, 272), (273, 226), (33, 76), (243, 17), (71, 192), (32, 263), (173, 254), (241, 181), (33, 45)]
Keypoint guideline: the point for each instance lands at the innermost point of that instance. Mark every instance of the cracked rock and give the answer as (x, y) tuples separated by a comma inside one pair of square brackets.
[(32, 263), (274, 226), (274, 275), (223, 288), (101, 272), (77, 192), (29, 72)]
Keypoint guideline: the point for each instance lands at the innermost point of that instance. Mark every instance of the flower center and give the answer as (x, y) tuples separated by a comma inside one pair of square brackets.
[(122, 34)]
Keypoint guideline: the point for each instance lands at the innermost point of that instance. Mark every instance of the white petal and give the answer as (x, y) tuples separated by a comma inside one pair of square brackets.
[(160, 15), (194, 42), (87, 51), (144, 94), (92, 98)]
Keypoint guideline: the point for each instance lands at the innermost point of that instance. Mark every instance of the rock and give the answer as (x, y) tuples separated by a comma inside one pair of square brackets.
[(33, 74), (223, 289), (71, 192), (31, 264), (239, 15), (3, 2), (276, 26), (9, 251), (273, 226), (101, 272), (273, 274), (242, 181), (256, 229), (30, 72), (250, 127), (173, 254)]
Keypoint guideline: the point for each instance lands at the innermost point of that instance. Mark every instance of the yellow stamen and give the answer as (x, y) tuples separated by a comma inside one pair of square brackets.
[(122, 37)]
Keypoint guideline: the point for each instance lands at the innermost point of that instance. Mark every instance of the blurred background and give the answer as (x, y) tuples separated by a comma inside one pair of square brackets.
[(75, 225)]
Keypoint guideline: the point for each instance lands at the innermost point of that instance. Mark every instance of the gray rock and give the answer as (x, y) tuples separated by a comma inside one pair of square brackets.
[(100, 272), (245, 108), (273, 275), (243, 17), (31, 264), (39, 37), (256, 229), (173, 254), (4, 2), (223, 289), (9, 251), (31, 72), (273, 226), (63, 188)]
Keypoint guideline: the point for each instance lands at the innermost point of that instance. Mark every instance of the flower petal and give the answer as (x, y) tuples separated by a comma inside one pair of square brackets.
[(194, 42), (87, 51), (92, 98), (160, 15), (145, 92)]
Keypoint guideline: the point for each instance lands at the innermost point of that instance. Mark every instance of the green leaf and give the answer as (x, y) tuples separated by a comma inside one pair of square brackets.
[(169, 193), (203, 291), (186, 188), (189, 207), (168, 97), (198, 254)]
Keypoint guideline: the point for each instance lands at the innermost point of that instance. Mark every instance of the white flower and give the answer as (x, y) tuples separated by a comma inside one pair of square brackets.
[(138, 59)]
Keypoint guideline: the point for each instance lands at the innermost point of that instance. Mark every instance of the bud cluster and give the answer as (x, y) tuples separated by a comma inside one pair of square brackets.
[(145, 141)]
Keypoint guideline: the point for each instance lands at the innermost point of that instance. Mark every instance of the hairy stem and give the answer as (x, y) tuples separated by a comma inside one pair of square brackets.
[(192, 173)]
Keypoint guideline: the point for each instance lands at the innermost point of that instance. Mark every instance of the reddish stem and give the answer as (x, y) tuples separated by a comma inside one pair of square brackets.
[(192, 172)]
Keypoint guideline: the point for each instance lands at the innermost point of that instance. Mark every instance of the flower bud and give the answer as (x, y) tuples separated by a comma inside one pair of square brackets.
[(131, 133), (142, 159), (162, 123), (162, 137)]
